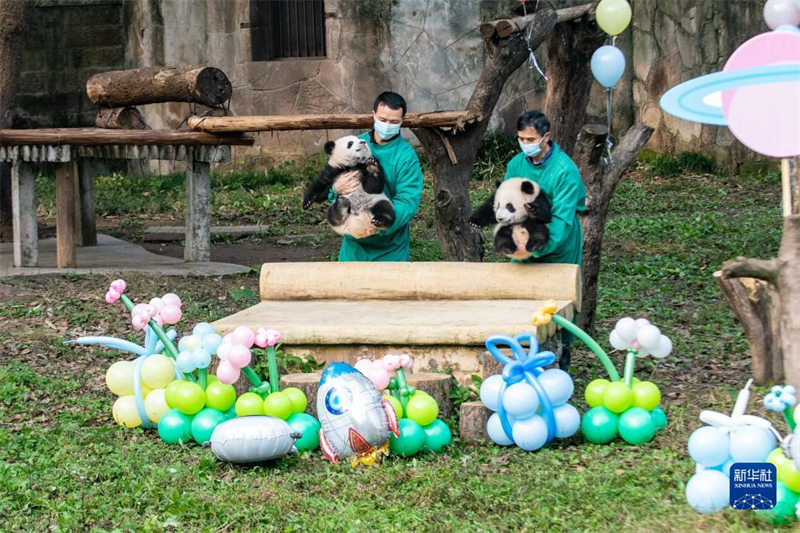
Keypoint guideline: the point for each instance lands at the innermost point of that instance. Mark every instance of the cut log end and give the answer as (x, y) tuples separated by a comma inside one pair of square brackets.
[(120, 118), (212, 87), (472, 423)]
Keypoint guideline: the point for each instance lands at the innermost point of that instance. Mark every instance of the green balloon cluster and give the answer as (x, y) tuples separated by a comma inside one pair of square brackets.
[(420, 430), (308, 426), (616, 409), (195, 413), (784, 510)]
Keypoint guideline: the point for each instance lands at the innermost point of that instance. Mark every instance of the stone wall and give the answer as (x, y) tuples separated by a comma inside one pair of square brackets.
[(66, 43), (427, 50)]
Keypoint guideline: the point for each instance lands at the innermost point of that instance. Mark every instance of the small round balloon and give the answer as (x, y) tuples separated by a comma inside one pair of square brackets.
[(125, 412), (279, 405), (297, 398), (119, 378), (170, 393), (568, 420), (659, 418), (751, 444), (155, 405), (613, 16), (190, 398), (599, 425), (494, 427), (490, 391), (175, 427), (220, 396), (557, 384), (708, 491), (308, 426), (781, 12), (709, 446), (520, 400), (608, 65), (437, 436), (617, 397), (530, 434), (636, 426), (422, 408), (204, 423), (411, 439), (396, 405), (158, 371), (594, 392), (646, 395), (249, 403)]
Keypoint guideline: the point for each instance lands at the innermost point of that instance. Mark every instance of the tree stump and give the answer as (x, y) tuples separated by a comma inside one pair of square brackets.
[(151, 85), (757, 306), (489, 365), (438, 386), (472, 423), (120, 118), (308, 383)]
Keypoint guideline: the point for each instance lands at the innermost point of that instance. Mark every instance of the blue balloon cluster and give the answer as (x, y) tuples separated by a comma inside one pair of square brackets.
[(530, 403), (715, 449), (195, 350)]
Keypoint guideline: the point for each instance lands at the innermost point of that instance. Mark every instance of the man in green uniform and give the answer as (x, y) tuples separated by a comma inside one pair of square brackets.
[(403, 185), (542, 161)]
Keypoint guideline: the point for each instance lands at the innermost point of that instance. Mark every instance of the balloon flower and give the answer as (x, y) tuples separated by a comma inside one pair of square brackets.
[(265, 397), (417, 411), (738, 438), (786, 458), (530, 403), (623, 406)]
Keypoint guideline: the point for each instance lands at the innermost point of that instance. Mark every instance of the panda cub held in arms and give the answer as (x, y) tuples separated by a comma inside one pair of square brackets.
[(364, 209), (522, 212)]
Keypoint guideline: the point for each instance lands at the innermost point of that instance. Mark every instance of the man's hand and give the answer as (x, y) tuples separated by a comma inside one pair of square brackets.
[(347, 182)]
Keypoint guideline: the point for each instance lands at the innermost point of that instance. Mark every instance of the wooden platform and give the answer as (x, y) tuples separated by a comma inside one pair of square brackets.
[(438, 313)]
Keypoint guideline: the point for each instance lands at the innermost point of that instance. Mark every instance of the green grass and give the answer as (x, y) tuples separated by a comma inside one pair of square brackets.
[(64, 465)]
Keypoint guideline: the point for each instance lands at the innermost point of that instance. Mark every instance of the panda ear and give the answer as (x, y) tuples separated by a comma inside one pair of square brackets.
[(329, 147), (527, 187), (497, 184)]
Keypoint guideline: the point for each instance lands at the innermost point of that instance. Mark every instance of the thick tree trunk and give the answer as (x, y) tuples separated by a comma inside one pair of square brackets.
[(458, 240), (784, 273), (600, 180), (120, 118), (149, 85), (12, 27), (569, 51)]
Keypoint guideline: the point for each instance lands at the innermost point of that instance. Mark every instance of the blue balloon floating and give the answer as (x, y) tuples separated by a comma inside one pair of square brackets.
[(531, 402), (608, 65)]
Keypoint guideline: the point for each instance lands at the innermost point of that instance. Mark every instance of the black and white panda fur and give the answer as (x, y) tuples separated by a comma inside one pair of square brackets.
[(521, 211), (368, 207)]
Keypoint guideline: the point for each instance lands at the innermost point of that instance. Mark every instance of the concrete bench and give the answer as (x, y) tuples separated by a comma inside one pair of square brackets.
[(438, 313)]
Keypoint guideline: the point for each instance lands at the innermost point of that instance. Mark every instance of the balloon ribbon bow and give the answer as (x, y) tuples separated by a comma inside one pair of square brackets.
[(523, 365)]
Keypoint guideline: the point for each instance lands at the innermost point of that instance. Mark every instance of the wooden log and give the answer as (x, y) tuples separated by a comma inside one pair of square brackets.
[(103, 137), (149, 85), (197, 246), (756, 304), (457, 119), (308, 383), (65, 215), (438, 386), (504, 28), (120, 118), (472, 423)]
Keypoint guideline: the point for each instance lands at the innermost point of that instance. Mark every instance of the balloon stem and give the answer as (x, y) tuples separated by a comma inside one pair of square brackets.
[(788, 415), (203, 373), (274, 379), (591, 343), (252, 376), (402, 387), (630, 362)]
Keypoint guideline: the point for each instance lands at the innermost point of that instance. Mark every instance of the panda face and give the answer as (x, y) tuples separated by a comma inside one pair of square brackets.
[(347, 151), (511, 197)]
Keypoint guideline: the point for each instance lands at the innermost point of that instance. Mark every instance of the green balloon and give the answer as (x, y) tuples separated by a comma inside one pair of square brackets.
[(422, 408), (279, 405), (249, 403), (230, 413), (636, 426), (617, 397), (171, 391), (175, 427), (298, 399), (659, 418), (646, 395), (190, 398), (599, 425), (594, 392), (437, 436), (307, 425), (784, 510), (204, 423), (411, 439), (220, 396)]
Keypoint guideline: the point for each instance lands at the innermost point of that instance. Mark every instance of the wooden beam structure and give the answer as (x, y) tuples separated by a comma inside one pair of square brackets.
[(456, 119), (102, 137)]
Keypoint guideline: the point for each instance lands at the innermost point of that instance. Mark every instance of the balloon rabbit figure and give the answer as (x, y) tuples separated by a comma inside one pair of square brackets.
[(530, 403)]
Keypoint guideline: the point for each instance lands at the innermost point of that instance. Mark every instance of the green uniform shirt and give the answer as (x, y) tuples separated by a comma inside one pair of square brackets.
[(561, 182), (404, 189)]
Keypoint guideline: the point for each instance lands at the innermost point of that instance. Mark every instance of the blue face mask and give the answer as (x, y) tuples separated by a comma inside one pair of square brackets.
[(385, 130), (530, 150)]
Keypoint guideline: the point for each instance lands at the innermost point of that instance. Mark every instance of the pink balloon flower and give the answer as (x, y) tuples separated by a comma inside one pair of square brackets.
[(243, 336), (118, 285), (112, 296), (171, 299), (227, 373)]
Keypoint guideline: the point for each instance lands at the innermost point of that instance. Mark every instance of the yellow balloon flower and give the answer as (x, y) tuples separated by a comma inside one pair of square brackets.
[(158, 371), (125, 412)]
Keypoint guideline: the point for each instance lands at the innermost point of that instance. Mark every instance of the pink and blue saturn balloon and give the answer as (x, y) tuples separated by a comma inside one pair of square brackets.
[(757, 95)]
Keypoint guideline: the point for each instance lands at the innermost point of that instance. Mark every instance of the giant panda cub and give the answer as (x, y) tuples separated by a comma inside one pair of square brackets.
[(363, 209), (522, 212)]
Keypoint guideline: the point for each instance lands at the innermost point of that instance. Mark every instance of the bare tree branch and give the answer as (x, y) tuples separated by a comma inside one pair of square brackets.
[(743, 267)]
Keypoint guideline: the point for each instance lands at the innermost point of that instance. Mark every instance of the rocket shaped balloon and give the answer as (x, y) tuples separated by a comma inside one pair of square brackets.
[(355, 421)]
